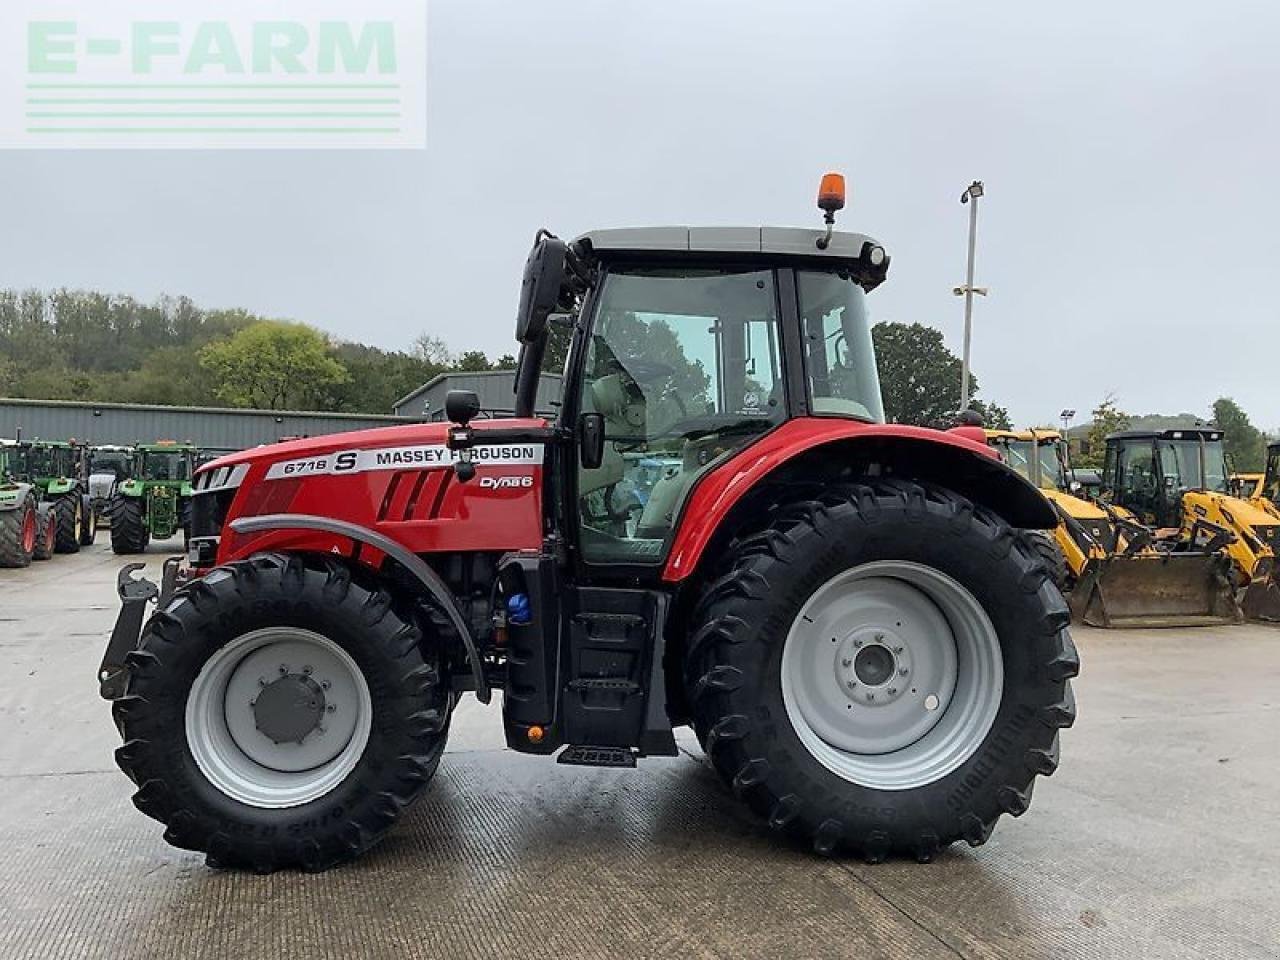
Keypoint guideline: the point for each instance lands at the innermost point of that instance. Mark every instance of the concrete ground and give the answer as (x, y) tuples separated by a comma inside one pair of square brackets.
[(1155, 839)]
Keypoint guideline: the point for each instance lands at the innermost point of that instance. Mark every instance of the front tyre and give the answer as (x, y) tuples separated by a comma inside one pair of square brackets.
[(129, 533), (281, 713), (884, 670)]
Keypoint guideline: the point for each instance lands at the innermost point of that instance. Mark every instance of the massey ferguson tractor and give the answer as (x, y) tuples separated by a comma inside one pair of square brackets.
[(873, 657)]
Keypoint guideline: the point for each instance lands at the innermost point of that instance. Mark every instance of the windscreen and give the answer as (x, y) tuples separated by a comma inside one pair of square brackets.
[(166, 466), (1180, 465)]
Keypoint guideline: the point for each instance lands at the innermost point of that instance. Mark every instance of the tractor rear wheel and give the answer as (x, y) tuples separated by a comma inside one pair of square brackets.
[(47, 533), (69, 516), (1044, 544), (19, 534), (129, 532), (281, 712), (884, 670)]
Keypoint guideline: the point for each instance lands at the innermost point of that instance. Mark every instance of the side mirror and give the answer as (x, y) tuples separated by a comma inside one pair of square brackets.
[(591, 440), (540, 290), (461, 406)]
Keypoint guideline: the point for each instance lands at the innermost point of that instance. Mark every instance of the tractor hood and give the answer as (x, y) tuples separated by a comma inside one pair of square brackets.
[(419, 444)]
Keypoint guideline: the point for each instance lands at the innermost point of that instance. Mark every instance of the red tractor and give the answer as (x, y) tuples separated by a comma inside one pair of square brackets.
[(717, 529)]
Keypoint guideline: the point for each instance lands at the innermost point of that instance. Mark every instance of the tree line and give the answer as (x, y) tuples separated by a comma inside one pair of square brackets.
[(92, 346), (85, 345), (1245, 444)]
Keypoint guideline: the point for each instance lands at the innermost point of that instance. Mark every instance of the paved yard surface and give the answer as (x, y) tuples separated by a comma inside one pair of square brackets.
[(1157, 837)]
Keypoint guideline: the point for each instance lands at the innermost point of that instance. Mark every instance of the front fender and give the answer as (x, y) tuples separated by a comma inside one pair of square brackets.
[(821, 447)]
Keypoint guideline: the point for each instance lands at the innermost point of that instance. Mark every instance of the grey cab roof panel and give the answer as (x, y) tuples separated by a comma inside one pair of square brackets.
[(783, 241)]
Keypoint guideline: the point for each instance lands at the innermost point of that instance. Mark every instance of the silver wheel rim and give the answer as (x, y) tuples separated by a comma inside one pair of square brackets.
[(314, 690), (892, 675)]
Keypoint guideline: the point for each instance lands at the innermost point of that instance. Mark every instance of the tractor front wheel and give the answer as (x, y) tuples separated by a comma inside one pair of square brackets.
[(129, 532), (883, 671), (1043, 542), (46, 533), (19, 533), (68, 512), (281, 712)]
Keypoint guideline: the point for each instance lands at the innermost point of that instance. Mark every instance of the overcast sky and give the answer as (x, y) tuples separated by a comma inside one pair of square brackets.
[(1130, 151)]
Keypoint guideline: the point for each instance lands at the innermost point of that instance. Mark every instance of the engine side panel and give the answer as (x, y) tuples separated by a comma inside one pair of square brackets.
[(398, 481)]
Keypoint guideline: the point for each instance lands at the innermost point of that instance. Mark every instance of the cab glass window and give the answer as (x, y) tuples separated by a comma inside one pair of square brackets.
[(684, 366), (839, 356)]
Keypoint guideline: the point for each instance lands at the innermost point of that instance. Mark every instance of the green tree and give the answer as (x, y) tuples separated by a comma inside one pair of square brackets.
[(272, 364), (920, 378), (1107, 418), (1245, 443), (472, 361)]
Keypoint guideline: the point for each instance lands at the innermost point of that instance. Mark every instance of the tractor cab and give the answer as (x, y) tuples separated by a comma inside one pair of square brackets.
[(1150, 471), (1038, 455), (1270, 487), (682, 358), (165, 462)]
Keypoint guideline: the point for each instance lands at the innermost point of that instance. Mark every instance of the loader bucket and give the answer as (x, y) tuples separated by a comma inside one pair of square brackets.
[(1157, 590), (1262, 599)]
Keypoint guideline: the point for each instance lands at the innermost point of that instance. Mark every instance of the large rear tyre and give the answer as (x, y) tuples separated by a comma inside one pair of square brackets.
[(68, 512), (129, 532), (281, 713), (1044, 544), (46, 533), (882, 671), (19, 534)]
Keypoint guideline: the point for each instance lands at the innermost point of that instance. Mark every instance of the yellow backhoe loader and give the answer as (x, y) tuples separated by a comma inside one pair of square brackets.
[(1111, 567), (1177, 482)]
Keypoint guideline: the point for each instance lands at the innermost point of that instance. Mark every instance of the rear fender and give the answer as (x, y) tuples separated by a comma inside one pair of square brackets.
[(721, 503)]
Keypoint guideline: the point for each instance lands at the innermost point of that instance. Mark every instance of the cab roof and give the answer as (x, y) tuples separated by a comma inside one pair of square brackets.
[(1174, 433), (802, 242)]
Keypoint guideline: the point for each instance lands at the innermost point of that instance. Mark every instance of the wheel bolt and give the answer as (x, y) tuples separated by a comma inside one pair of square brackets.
[(857, 643), (892, 691), (846, 662), (307, 670), (330, 708), (851, 684), (870, 697), (902, 672), (262, 681), (283, 669), (324, 684), (879, 637), (897, 649)]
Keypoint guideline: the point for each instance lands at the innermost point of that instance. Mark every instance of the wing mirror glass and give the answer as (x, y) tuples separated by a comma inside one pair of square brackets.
[(591, 440)]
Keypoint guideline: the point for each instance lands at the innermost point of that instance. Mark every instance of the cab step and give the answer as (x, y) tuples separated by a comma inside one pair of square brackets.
[(588, 756)]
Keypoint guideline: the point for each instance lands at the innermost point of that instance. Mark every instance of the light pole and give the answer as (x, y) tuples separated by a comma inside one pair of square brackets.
[(1067, 416), (972, 192)]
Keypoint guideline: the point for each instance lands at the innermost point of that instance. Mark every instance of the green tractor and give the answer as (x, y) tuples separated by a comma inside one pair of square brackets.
[(57, 471), (20, 526), (155, 501)]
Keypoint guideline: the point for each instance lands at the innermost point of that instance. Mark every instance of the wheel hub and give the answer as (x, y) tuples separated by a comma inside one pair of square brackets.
[(873, 665), (289, 708)]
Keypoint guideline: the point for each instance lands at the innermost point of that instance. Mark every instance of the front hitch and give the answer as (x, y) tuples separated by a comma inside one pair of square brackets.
[(113, 675)]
